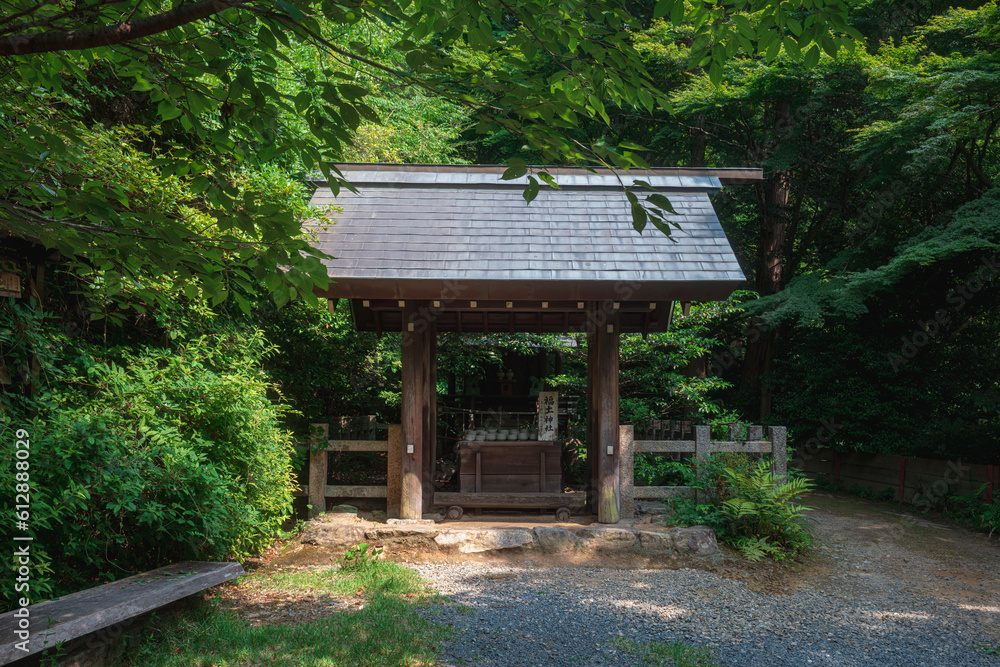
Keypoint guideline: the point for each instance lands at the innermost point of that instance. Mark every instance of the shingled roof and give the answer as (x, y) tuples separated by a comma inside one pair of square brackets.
[(429, 231)]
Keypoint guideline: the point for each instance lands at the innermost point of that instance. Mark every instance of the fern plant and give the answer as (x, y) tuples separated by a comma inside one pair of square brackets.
[(763, 517)]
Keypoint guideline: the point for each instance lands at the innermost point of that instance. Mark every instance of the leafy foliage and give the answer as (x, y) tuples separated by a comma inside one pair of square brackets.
[(747, 506), (141, 457), (763, 515)]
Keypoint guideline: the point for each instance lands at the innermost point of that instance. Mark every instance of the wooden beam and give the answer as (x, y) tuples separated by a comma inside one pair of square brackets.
[(65, 618)]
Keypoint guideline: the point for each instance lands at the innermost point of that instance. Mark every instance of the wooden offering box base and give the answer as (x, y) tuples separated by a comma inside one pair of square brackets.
[(531, 466)]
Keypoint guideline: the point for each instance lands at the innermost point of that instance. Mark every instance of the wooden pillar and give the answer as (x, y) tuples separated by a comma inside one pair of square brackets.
[(416, 359), (429, 389), (591, 420), (605, 393)]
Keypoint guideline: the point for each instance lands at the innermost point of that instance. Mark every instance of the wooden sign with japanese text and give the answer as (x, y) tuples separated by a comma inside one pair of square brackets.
[(548, 414)]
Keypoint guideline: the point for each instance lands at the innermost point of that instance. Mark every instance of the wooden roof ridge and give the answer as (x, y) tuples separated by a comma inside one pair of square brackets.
[(377, 174)]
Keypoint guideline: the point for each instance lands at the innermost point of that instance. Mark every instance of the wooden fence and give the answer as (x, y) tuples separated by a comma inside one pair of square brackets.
[(702, 446), (317, 491), (916, 480)]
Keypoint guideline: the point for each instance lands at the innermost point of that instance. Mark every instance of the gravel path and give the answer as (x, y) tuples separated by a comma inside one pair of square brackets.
[(885, 590)]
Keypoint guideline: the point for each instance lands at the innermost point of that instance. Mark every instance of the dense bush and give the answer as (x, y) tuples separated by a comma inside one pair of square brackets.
[(143, 456)]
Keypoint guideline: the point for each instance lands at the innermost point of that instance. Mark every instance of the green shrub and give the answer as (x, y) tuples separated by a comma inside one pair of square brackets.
[(974, 511), (141, 457)]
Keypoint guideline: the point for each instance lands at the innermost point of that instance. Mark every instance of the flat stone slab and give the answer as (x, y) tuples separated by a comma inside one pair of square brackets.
[(489, 539), (607, 539), (410, 522), (397, 531), (555, 540), (78, 614), (607, 533)]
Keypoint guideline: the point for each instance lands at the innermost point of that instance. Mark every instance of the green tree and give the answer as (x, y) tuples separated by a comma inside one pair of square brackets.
[(211, 78)]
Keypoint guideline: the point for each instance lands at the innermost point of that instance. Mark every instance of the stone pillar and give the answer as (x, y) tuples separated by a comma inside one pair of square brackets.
[(318, 460), (627, 470), (779, 450), (702, 443), (394, 478)]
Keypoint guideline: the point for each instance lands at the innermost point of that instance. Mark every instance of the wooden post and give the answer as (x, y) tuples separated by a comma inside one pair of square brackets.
[(778, 435), (430, 414), (318, 459), (606, 400), (627, 483), (415, 408), (394, 478), (702, 450), (591, 420)]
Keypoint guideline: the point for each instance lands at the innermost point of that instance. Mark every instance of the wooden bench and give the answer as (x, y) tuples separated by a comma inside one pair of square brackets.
[(78, 614)]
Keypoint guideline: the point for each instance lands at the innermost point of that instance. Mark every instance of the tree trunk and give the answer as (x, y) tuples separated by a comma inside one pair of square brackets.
[(773, 195), (697, 141)]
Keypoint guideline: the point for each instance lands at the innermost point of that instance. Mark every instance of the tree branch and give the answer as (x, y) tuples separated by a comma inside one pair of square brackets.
[(72, 40)]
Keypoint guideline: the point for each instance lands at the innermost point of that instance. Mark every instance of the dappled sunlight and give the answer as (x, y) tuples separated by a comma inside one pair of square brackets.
[(990, 609), (912, 615), (645, 607)]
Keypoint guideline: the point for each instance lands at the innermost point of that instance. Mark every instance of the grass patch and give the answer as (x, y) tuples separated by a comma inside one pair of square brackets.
[(677, 654), (990, 650), (387, 631)]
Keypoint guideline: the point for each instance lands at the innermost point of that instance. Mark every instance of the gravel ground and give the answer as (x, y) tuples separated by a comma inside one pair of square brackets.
[(881, 594)]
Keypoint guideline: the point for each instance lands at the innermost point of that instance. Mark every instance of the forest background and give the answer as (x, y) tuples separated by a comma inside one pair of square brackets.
[(171, 354)]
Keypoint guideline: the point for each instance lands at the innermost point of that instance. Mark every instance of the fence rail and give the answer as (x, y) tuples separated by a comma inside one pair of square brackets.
[(702, 446), (317, 491)]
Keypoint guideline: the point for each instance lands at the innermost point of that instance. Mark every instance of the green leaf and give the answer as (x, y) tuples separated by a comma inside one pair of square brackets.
[(661, 202), (812, 56), (531, 191), (663, 8), (516, 168), (167, 110)]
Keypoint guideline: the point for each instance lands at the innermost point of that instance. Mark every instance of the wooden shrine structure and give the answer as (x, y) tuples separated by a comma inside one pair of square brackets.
[(422, 249)]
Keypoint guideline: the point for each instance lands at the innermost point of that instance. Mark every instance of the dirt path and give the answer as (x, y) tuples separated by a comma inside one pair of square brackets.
[(861, 540), (883, 587)]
